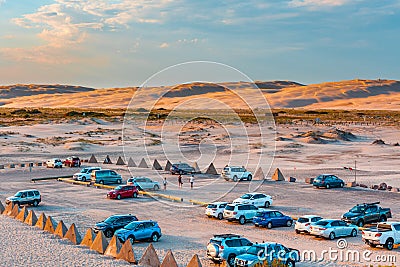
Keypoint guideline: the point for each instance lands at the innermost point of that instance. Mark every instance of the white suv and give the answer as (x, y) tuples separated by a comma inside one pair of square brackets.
[(240, 212), (85, 173), (256, 199), (216, 209), (54, 163), (30, 197), (235, 173)]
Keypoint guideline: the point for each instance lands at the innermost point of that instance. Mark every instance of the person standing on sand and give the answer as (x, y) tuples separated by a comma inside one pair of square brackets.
[(191, 180), (180, 181), (165, 183)]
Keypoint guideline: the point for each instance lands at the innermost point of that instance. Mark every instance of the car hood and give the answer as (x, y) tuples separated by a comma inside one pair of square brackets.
[(101, 224), (241, 200), (121, 231), (247, 257), (112, 191), (12, 198), (351, 214)]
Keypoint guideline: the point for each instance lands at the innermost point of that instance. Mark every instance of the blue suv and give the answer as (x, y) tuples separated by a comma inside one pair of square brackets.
[(139, 230), (272, 218)]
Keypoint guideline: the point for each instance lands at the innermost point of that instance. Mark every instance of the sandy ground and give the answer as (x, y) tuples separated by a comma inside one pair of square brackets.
[(186, 230)]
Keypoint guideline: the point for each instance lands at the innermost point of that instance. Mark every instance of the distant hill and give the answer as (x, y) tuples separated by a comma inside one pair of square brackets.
[(351, 94)]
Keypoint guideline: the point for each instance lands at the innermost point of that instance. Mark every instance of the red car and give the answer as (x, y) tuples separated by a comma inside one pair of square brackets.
[(72, 162), (123, 191)]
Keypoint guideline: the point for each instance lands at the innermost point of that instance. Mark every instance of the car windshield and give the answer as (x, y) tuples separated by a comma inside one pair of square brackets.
[(226, 169), (260, 214), (246, 196), (357, 209), (322, 223), (118, 187), (211, 206), (255, 250), (229, 207), (84, 170), (319, 178), (18, 194), (109, 220), (131, 226), (302, 220)]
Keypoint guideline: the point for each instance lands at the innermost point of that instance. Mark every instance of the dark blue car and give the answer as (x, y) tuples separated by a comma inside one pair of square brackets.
[(328, 181), (272, 218)]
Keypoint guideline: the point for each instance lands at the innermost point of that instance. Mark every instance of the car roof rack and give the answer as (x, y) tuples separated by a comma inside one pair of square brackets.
[(373, 203), (226, 235)]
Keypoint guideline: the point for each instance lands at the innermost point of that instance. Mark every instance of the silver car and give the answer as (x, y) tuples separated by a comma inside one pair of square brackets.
[(143, 183), (333, 228)]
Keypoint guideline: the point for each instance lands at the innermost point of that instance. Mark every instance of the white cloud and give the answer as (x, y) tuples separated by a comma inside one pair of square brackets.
[(314, 4), (164, 45), (39, 54)]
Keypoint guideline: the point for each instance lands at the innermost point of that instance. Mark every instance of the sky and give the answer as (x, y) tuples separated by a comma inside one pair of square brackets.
[(121, 43)]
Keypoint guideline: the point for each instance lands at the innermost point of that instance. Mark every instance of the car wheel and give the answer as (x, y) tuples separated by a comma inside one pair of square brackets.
[(134, 195), (156, 187), (242, 220), (266, 204), (249, 177), (220, 216), (101, 182), (119, 181), (289, 223), (353, 233), (341, 185), (132, 239), (35, 203), (269, 225), (235, 178), (360, 223), (17, 203), (231, 260), (298, 232), (154, 237), (328, 186), (83, 179), (118, 196), (108, 233), (383, 219), (290, 263), (332, 236), (389, 244)]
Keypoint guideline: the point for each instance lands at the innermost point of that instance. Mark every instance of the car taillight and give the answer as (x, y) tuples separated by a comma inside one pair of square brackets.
[(221, 247), (234, 213), (323, 229), (214, 209), (378, 235), (362, 232), (307, 224)]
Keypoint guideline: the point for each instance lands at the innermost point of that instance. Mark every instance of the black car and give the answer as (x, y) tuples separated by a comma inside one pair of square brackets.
[(181, 168), (328, 181), (113, 223)]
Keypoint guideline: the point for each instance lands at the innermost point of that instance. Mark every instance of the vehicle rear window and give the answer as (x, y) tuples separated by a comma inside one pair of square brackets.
[(384, 227), (322, 223), (302, 220), (218, 242), (229, 207), (36, 193), (211, 206)]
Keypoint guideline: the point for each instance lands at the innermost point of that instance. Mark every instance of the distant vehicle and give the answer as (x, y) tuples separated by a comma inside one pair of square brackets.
[(386, 234), (267, 254), (367, 213), (182, 168), (257, 199), (216, 209), (113, 223), (72, 162), (303, 223), (144, 183), (226, 247), (30, 197), (328, 181), (54, 163), (332, 229), (105, 177), (123, 191), (240, 212), (85, 173), (272, 218), (139, 230), (235, 173)]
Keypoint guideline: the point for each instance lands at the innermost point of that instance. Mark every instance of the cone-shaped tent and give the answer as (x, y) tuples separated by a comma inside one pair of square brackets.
[(120, 161), (50, 225), (92, 159), (168, 166), (126, 253), (73, 235), (14, 212), (278, 176), (194, 262), (8, 208), (196, 167), (61, 229), (113, 248), (22, 214), (143, 164), (31, 219), (150, 258), (107, 160), (41, 222), (156, 165), (211, 169), (100, 243), (131, 163), (88, 238), (259, 175), (1, 208), (169, 260)]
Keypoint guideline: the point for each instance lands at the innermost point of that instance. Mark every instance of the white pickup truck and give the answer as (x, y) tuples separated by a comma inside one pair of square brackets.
[(386, 234)]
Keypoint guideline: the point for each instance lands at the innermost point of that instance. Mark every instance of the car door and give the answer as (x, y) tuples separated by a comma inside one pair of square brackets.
[(345, 229), (337, 229), (148, 229), (30, 197), (396, 233), (139, 232), (148, 184), (252, 211), (244, 244), (279, 218), (371, 214)]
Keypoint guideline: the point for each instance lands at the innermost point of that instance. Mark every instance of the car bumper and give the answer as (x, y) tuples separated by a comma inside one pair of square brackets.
[(371, 241), (351, 221), (111, 196), (319, 233), (211, 213)]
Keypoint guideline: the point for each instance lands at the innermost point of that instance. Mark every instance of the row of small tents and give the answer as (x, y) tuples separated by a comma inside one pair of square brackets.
[(98, 242)]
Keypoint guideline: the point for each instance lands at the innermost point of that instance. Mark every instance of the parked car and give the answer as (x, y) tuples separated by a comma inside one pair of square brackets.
[(113, 223), (226, 247), (386, 234), (54, 163), (139, 230), (240, 212), (105, 177), (181, 168), (216, 209), (333, 228), (266, 254), (144, 183), (328, 181), (272, 218), (72, 162), (85, 174), (123, 191), (30, 197), (235, 173), (367, 213), (257, 199), (303, 223)]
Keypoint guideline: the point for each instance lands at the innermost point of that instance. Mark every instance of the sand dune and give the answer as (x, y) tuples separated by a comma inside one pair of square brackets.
[(351, 94)]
